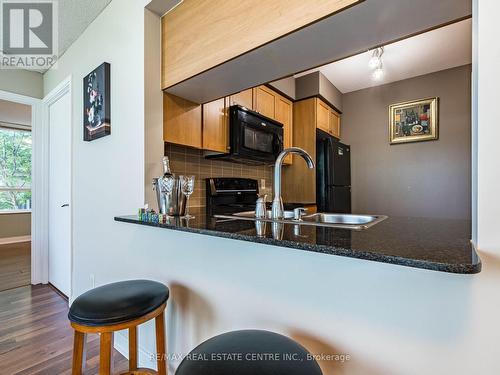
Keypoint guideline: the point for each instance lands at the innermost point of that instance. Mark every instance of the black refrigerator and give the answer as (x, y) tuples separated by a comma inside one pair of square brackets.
[(333, 174)]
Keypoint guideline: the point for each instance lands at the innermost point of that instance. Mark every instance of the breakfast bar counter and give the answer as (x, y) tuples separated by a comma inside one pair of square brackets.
[(435, 244)]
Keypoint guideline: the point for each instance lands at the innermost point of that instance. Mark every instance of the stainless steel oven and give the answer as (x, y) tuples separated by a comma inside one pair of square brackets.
[(254, 138)]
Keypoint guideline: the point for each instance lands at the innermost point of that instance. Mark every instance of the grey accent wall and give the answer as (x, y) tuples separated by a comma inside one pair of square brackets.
[(306, 86), (15, 113), (22, 82), (423, 179), (285, 85), (15, 224), (314, 84), (328, 91)]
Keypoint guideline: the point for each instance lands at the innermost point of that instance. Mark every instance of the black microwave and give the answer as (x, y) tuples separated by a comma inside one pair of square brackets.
[(253, 138)]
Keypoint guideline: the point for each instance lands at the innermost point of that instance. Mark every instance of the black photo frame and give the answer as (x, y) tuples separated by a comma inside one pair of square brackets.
[(96, 103)]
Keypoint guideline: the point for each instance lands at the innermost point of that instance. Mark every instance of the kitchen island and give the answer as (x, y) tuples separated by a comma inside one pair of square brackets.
[(435, 244)]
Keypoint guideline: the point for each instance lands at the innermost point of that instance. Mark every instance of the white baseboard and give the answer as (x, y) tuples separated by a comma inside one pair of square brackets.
[(17, 239)]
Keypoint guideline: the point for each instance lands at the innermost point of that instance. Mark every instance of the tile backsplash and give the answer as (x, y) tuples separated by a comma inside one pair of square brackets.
[(189, 161)]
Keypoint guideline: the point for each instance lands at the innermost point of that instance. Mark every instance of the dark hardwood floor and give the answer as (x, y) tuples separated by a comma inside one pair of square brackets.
[(36, 337), (15, 265)]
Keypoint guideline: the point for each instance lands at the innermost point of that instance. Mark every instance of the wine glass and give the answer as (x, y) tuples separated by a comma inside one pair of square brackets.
[(187, 188)]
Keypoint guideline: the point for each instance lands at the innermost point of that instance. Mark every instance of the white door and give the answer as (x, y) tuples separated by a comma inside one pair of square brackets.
[(60, 193)]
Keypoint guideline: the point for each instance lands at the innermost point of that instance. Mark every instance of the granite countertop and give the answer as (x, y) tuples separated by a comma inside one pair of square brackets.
[(434, 244)]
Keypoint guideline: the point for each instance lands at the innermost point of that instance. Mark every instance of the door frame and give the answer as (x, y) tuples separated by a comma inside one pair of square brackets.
[(38, 189), (41, 263)]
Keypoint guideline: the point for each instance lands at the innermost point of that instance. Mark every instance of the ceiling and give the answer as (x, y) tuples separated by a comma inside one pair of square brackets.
[(161, 7), (74, 17), (439, 49)]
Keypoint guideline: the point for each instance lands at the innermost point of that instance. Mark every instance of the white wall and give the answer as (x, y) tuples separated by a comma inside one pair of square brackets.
[(390, 319), (108, 173), (153, 104), (22, 82), (488, 156)]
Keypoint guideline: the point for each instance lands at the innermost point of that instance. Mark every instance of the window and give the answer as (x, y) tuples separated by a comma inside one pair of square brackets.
[(15, 168)]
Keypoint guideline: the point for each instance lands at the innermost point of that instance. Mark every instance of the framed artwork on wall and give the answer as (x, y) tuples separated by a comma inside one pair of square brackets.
[(96, 103), (413, 121)]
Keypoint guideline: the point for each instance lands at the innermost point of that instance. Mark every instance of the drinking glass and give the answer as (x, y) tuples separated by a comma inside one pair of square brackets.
[(187, 188)]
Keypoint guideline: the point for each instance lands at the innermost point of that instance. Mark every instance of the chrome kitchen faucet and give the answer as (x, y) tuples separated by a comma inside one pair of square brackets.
[(277, 207)]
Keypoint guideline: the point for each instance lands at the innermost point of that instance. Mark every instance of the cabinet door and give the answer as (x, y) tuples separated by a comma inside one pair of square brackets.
[(181, 121), (264, 101), (334, 124), (215, 126), (244, 98), (299, 182), (322, 116), (284, 114)]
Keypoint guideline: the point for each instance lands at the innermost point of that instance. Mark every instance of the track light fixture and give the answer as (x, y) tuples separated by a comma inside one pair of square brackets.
[(377, 64)]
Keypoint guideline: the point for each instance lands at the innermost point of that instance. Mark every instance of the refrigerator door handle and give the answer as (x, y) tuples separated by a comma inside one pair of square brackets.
[(329, 162)]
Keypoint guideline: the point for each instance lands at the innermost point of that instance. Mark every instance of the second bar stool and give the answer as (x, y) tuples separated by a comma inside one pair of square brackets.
[(114, 307)]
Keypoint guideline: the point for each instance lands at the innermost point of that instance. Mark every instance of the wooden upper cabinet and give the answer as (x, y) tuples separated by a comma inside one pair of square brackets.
[(216, 120), (243, 98), (327, 119), (284, 114), (334, 124), (264, 101), (207, 126), (181, 121), (215, 126), (273, 105), (322, 116)]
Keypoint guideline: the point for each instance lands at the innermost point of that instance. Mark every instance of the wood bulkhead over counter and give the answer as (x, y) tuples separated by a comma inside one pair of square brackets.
[(192, 29)]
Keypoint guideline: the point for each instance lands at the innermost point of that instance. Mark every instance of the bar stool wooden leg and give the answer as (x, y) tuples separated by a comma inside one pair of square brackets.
[(160, 344), (132, 348), (106, 354), (79, 353)]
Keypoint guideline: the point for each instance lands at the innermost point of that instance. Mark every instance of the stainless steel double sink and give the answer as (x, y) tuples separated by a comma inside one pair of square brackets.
[(345, 221)]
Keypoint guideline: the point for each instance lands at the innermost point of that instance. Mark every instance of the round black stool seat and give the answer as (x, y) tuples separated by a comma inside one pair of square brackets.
[(117, 302), (249, 352)]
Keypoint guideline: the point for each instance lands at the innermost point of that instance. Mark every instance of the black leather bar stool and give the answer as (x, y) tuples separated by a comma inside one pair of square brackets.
[(117, 306), (249, 352)]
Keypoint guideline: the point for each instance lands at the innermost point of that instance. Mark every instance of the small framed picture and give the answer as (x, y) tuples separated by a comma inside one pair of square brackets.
[(96, 103), (413, 121)]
